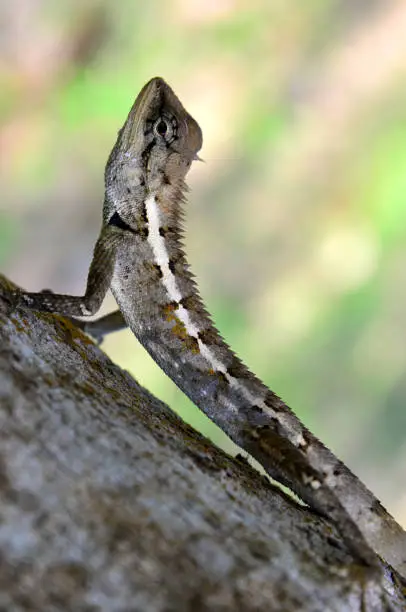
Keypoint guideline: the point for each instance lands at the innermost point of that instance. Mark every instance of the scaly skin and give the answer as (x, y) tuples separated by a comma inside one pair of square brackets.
[(139, 255)]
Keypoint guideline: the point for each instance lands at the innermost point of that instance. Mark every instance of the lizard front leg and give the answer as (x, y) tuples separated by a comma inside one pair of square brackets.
[(99, 328), (98, 282)]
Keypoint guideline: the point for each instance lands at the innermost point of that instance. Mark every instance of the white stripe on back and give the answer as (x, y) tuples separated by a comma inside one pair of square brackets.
[(161, 256)]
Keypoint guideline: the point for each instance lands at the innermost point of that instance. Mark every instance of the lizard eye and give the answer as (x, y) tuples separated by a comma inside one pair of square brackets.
[(161, 127), (166, 129)]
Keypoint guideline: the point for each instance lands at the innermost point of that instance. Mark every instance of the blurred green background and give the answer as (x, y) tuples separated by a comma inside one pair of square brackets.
[(296, 223)]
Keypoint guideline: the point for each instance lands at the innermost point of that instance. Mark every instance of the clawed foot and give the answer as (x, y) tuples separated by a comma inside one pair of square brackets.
[(10, 299), (47, 301), (14, 298)]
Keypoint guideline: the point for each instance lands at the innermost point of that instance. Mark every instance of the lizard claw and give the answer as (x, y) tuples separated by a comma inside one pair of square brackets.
[(14, 298), (11, 298), (9, 302)]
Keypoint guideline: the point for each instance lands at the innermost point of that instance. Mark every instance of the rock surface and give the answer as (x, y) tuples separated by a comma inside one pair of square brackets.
[(109, 502)]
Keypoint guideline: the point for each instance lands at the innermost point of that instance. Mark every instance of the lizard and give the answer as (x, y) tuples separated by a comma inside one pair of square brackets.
[(139, 255)]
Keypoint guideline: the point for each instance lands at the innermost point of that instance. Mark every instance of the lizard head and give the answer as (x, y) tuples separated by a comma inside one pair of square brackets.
[(159, 139)]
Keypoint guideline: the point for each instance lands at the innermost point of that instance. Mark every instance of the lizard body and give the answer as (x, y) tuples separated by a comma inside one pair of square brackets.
[(139, 255)]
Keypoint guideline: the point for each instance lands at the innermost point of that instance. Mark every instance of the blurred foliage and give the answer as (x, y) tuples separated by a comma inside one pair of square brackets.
[(296, 223)]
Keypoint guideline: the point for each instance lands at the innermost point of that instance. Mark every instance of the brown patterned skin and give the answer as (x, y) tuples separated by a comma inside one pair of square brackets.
[(139, 255)]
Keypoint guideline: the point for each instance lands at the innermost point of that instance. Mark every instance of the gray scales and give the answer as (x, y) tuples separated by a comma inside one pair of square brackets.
[(139, 255)]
